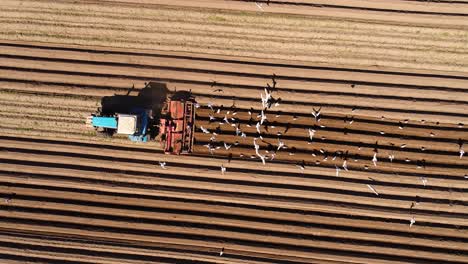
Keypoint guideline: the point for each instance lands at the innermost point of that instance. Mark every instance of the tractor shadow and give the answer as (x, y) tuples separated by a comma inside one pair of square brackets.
[(151, 97)]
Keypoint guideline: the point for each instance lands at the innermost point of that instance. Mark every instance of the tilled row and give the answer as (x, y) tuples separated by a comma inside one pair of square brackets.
[(65, 213)]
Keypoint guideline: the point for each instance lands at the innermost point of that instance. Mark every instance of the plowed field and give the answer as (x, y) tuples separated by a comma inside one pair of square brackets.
[(381, 179)]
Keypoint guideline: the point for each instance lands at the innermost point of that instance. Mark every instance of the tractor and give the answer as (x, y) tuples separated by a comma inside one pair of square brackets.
[(176, 116), (134, 124)]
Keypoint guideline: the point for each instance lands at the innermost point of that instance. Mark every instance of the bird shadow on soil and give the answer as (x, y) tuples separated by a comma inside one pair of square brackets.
[(151, 97)]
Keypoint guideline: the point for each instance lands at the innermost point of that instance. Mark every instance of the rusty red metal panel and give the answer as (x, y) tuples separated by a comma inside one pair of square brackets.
[(177, 109)]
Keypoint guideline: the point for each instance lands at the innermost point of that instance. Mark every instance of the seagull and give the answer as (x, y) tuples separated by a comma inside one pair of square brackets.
[(273, 155), (374, 159), (243, 135), (264, 117), (223, 169), (412, 221), (256, 146), (301, 165), (424, 180), (259, 6), (212, 118), (345, 166), (280, 144), (391, 157), (210, 105), (258, 127), (221, 252), (264, 101), (238, 131), (373, 189), (204, 130), (337, 171), (162, 164), (225, 119), (311, 133), (262, 157), (316, 114), (210, 148), (226, 146)]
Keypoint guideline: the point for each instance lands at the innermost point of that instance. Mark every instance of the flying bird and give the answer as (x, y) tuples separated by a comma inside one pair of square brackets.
[(262, 157), (257, 126), (280, 144), (374, 159), (345, 165), (226, 146), (311, 133), (412, 221), (204, 130), (316, 113), (424, 180), (301, 165), (373, 189), (162, 164), (223, 169)]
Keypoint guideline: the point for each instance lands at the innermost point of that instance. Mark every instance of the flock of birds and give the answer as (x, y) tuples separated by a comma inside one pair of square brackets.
[(260, 120)]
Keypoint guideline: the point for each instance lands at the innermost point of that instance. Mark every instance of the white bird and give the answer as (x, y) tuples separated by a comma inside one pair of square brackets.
[(257, 126), (263, 117), (204, 130), (226, 146), (197, 105), (280, 144), (226, 120), (262, 157), (316, 113), (210, 148), (273, 155), (412, 221), (374, 159), (238, 131), (223, 169), (256, 146), (210, 105), (259, 6), (337, 171), (264, 101), (221, 252), (162, 164), (424, 180), (391, 157), (373, 189), (311, 133), (212, 118), (462, 152), (345, 166)]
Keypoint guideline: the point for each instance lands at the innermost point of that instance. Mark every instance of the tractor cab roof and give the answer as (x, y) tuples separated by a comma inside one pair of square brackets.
[(127, 124)]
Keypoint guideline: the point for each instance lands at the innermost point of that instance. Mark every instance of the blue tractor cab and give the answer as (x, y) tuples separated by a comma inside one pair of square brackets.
[(135, 124)]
